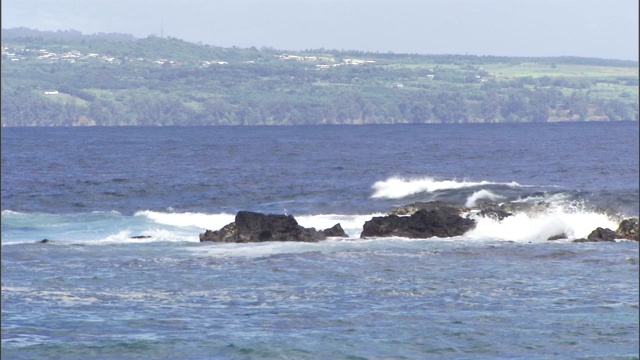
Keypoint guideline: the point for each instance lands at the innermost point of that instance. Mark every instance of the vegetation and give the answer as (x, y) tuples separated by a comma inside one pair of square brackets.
[(65, 78)]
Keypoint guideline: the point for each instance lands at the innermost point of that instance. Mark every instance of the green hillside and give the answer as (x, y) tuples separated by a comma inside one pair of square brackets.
[(66, 78)]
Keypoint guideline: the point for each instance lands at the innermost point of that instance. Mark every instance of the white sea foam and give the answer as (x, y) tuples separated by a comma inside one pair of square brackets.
[(79, 296), (199, 220), (397, 187), (482, 194), (66, 298), (559, 197), (540, 226), (254, 250), (11, 212), (170, 235), (146, 236), (29, 227)]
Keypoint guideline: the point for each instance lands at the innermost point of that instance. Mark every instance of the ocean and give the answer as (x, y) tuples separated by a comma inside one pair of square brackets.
[(124, 275)]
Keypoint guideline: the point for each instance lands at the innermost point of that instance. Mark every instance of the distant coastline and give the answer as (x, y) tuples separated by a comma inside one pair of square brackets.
[(65, 78)]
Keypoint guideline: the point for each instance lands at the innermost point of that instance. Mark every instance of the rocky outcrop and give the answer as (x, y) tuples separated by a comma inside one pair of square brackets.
[(627, 230), (494, 211), (600, 235), (257, 227), (226, 234), (561, 236), (335, 231), (412, 208), (416, 220), (500, 211), (439, 221)]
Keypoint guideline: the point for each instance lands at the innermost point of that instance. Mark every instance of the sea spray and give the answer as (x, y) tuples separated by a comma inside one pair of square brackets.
[(565, 221)]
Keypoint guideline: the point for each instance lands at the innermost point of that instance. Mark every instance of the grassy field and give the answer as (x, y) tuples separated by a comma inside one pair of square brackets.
[(614, 91), (561, 70)]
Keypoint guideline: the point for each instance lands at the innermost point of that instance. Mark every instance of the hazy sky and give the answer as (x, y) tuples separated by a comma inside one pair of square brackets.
[(589, 28)]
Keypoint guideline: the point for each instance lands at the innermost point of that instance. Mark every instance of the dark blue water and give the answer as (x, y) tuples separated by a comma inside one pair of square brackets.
[(500, 291), (314, 169)]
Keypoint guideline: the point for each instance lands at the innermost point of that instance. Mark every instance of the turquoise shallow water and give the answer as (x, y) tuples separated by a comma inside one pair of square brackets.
[(499, 291)]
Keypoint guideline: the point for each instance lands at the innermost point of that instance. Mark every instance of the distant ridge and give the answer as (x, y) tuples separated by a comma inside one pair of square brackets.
[(61, 35), (73, 35)]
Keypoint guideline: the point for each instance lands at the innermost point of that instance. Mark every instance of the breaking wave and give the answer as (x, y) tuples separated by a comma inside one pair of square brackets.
[(398, 188), (482, 194), (569, 222)]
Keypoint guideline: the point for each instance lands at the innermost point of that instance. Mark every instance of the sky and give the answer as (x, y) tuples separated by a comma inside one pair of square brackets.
[(605, 29)]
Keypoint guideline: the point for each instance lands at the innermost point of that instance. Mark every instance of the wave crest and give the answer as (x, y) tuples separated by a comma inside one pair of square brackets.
[(186, 219), (398, 187), (482, 194)]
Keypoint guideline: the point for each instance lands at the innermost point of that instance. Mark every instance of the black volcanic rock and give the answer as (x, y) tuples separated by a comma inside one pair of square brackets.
[(412, 208), (335, 231), (439, 221), (557, 237), (494, 211), (600, 235), (629, 229), (257, 227)]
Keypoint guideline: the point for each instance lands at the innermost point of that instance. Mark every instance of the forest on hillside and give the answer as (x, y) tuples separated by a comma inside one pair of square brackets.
[(66, 78)]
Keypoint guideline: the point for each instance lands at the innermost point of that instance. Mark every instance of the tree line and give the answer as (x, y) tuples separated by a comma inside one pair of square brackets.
[(24, 108)]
